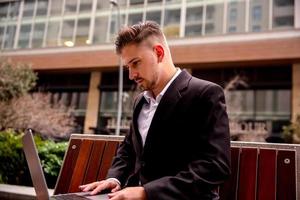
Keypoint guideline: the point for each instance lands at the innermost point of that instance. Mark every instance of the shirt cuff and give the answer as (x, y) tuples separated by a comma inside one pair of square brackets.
[(114, 179)]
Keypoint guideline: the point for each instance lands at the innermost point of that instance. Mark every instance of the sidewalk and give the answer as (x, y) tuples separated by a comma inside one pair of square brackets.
[(17, 192)]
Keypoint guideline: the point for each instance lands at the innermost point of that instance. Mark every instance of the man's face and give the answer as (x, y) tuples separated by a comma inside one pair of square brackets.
[(142, 64)]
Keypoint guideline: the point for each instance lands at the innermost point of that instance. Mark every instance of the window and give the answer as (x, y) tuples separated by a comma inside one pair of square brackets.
[(67, 33), (56, 7), (256, 28), (85, 6), (135, 18), (38, 35), (24, 36), (82, 34), (52, 33), (154, 16), (42, 7), (100, 31), (233, 15), (172, 22), (256, 13)]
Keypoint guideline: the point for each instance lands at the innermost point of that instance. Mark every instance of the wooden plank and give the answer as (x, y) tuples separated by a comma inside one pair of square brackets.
[(286, 177), (228, 190), (66, 172), (81, 165), (247, 174), (266, 177), (94, 161), (109, 152)]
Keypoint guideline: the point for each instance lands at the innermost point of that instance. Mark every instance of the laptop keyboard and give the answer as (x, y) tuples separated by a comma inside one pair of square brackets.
[(68, 197)]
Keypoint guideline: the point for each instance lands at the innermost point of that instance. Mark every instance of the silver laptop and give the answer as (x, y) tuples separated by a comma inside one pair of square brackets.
[(38, 178)]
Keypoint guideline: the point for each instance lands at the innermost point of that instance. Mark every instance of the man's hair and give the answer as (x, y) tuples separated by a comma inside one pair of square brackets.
[(137, 33)]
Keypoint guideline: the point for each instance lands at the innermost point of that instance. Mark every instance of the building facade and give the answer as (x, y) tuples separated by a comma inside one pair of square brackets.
[(249, 47)]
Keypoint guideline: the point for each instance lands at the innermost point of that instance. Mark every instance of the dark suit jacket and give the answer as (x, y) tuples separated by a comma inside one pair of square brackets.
[(187, 149)]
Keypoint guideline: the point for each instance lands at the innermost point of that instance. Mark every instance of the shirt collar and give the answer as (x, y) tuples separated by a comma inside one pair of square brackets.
[(148, 95)]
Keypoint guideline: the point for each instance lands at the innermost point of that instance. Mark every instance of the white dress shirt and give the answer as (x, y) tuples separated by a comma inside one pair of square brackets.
[(149, 108)]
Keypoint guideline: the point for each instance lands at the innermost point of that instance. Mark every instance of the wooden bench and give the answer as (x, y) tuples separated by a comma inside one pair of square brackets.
[(260, 171), (263, 171)]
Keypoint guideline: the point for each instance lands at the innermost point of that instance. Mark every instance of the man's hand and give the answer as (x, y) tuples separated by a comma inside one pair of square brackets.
[(99, 186), (129, 193)]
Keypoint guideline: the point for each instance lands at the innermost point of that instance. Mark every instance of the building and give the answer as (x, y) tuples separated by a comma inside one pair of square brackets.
[(70, 45)]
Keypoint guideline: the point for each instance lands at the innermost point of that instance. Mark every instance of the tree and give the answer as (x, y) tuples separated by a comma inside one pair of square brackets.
[(20, 109)]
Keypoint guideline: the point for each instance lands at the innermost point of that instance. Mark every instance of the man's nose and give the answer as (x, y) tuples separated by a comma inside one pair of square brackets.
[(132, 74)]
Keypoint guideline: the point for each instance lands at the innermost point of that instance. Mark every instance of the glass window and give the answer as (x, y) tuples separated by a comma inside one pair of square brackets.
[(67, 32), (56, 7), (52, 33), (82, 34), (233, 15), (14, 10), (38, 35), (154, 16), (256, 13), (193, 25), (236, 16), (283, 14), (9, 37), (214, 19), (24, 36), (154, 2), (3, 11), (135, 18), (2, 28), (103, 5), (70, 6), (259, 15), (172, 22), (85, 6), (28, 9), (136, 2), (100, 31), (42, 7), (256, 28)]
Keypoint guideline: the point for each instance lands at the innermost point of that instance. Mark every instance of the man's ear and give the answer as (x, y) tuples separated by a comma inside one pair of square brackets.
[(160, 52)]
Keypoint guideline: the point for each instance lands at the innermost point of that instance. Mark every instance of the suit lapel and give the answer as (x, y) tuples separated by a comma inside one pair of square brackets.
[(138, 106), (168, 103)]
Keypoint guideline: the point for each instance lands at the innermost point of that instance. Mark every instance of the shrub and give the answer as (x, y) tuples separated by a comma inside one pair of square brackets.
[(14, 169), (291, 133), (16, 79)]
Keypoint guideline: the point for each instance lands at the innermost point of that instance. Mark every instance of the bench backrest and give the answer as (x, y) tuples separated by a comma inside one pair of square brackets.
[(87, 159), (263, 171), (260, 171)]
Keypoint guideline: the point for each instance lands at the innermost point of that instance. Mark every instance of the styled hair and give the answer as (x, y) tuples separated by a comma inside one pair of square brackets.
[(136, 34)]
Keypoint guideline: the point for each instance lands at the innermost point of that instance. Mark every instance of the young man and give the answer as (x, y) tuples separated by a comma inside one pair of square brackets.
[(178, 147)]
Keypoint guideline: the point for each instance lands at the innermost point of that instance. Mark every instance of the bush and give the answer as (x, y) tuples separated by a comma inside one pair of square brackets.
[(291, 133), (14, 169), (16, 79)]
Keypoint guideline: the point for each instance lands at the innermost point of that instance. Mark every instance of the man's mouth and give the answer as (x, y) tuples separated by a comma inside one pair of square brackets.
[(139, 80)]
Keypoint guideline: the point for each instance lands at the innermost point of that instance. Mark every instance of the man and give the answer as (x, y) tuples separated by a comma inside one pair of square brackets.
[(178, 147)]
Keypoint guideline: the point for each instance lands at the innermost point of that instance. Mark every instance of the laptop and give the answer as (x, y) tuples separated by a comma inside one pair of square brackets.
[(38, 177)]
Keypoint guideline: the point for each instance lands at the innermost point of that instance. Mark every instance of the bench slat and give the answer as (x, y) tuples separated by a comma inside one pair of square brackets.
[(68, 167), (95, 161), (109, 152), (228, 189), (247, 174), (81, 165), (286, 181), (266, 183)]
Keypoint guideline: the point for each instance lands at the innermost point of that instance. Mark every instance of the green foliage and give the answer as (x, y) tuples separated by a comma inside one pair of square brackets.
[(16, 79), (13, 168), (291, 133)]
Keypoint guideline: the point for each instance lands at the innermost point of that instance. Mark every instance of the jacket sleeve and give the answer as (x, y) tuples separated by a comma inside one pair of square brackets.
[(210, 168)]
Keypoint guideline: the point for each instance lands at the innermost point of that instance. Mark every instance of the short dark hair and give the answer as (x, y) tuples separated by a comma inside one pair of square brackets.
[(136, 34)]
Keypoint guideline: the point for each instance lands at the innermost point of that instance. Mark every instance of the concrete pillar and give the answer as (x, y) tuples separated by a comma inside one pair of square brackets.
[(295, 91), (297, 14), (91, 116)]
